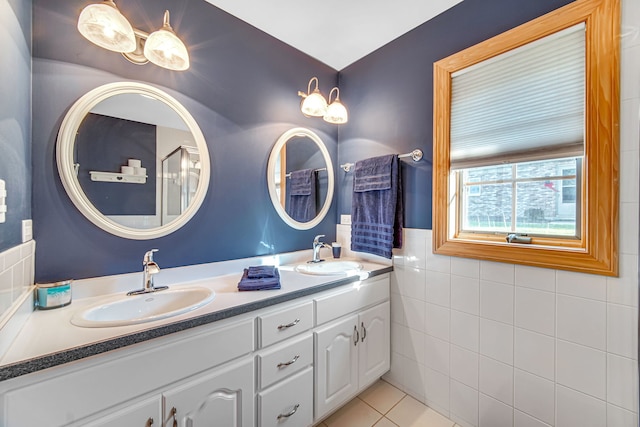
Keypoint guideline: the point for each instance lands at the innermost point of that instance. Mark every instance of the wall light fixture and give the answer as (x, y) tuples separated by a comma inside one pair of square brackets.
[(313, 104), (336, 111), (104, 25)]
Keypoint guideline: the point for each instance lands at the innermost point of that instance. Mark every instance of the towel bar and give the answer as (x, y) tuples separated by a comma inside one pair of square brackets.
[(416, 156), (288, 175)]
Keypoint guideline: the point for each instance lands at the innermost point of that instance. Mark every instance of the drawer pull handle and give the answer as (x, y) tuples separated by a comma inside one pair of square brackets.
[(149, 422), (287, 415), (364, 331), (356, 336), (288, 325), (290, 362)]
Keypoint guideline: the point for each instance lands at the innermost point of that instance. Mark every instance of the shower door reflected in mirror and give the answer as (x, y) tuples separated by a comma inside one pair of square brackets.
[(180, 177)]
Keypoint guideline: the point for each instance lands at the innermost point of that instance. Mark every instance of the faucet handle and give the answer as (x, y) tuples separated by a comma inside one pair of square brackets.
[(148, 256), (316, 239)]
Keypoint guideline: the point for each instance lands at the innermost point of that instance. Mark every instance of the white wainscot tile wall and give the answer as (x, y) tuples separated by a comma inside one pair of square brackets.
[(491, 345), (16, 274), (16, 302)]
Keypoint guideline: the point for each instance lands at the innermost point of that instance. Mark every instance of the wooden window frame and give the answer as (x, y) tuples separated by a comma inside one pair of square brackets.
[(596, 251)]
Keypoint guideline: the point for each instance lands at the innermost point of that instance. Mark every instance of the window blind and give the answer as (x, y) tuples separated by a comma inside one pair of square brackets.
[(523, 105)]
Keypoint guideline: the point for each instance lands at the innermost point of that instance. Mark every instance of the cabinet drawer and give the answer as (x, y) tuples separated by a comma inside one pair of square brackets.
[(289, 403), (354, 298), (285, 323), (284, 360)]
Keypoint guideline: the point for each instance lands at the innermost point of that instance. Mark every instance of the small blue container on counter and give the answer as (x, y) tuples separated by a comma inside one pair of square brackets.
[(53, 295)]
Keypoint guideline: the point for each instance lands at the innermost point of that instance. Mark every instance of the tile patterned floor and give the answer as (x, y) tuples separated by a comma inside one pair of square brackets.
[(383, 405)]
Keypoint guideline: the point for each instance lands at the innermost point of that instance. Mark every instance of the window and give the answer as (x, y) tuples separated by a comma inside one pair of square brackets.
[(526, 142), (524, 198), (569, 186)]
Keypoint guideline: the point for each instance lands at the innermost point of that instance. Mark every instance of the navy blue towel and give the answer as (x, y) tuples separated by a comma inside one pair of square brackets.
[(261, 271), (377, 208), (302, 195), (266, 283), (300, 183)]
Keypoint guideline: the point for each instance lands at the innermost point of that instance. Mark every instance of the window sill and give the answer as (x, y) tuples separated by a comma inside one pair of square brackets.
[(555, 257)]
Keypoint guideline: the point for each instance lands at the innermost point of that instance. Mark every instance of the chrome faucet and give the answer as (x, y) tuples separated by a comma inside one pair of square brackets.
[(317, 245), (149, 269)]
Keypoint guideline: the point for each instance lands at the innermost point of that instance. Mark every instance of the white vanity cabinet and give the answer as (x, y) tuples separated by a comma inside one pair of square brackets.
[(336, 364), (354, 350), (119, 387), (374, 347), (139, 414), (220, 398), (289, 364), (285, 369)]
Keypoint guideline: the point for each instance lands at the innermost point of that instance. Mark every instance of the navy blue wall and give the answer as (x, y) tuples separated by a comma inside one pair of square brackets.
[(106, 143), (390, 93), (241, 89), (15, 117)]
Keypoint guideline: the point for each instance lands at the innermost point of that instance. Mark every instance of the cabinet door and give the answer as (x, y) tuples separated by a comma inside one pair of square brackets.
[(374, 347), (223, 397), (336, 364), (140, 414)]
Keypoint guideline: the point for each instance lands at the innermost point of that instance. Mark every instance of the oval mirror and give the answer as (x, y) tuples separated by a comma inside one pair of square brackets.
[(133, 160), (300, 178)]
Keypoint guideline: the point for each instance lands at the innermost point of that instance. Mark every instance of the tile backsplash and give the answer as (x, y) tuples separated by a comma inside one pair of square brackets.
[(17, 267), (16, 274)]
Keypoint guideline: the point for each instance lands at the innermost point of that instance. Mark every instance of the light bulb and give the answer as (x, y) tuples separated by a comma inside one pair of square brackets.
[(313, 103), (104, 25), (165, 49), (336, 111)]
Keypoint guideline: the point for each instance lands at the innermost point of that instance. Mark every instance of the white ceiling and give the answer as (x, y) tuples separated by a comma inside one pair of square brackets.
[(335, 32)]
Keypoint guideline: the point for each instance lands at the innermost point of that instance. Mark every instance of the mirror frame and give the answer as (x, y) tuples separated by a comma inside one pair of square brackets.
[(65, 161), (271, 183)]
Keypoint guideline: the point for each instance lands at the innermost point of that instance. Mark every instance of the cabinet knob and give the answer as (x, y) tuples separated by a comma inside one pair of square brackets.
[(288, 325), (149, 422), (288, 414)]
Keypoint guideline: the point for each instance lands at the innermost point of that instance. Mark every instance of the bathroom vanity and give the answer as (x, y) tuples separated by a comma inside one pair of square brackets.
[(285, 357)]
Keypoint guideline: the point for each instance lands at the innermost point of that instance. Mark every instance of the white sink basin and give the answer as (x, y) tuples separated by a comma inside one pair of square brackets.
[(131, 310), (327, 268)]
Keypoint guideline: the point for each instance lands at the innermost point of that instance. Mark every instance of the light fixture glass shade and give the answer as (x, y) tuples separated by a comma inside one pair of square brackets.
[(165, 49), (104, 25), (313, 103), (336, 111)]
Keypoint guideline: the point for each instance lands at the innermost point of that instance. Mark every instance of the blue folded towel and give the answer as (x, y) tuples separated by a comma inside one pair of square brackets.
[(261, 271), (266, 283), (377, 208), (302, 195)]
